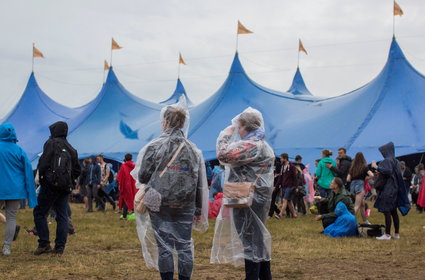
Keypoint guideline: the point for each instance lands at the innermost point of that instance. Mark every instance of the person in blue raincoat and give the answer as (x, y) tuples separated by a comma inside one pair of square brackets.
[(16, 180), (344, 225)]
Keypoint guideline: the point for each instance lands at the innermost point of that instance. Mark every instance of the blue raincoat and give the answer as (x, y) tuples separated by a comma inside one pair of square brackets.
[(345, 224), (16, 176)]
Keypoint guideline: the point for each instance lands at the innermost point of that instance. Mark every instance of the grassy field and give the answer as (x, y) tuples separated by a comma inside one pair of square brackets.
[(107, 248)]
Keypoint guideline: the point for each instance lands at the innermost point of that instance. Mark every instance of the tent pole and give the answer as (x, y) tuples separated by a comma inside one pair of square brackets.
[(178, 71), (110, 63), (237, 41), (393, 21), (298, 62), (32, 65)]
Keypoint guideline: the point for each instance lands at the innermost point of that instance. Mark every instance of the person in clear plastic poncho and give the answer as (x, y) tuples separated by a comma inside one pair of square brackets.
[(240, 234), (165, 230)]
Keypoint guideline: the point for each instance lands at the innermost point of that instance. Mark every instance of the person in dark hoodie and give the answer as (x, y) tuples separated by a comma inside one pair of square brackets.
[(392, 192), (93, 178), (50, 195), (342, 167)]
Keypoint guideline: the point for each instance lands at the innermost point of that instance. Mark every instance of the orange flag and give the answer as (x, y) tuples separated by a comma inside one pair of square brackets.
[(115, 45), (36, 52), (242, 29), (301, 47), (181, 60), (397, 10), (106, 66)]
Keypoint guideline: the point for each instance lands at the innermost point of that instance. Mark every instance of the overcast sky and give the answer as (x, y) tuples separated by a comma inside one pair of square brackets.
[(347, 43)]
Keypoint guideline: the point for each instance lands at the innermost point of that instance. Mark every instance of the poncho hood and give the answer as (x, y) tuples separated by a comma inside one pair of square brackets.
[(387, 150), (7, 133)]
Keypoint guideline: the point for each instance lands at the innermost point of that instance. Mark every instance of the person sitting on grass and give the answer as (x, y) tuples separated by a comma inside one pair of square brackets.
[(345, 225), (326, 206)]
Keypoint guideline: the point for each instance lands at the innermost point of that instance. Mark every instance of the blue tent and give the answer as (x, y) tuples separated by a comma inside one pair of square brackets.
[(33, 114), (178, 92), (389, 108), (118, 124), (298, 86)]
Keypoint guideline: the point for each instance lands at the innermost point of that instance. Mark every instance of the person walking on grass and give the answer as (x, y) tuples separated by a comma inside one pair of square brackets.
[(288, 182), (392, 192), (104, 182), (358, 173), (127, 186), (58, 169), (16, 182)]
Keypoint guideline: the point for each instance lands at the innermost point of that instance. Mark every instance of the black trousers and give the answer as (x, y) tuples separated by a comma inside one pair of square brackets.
[(273, 207), (394, 215), (323, 209), (255, 271)]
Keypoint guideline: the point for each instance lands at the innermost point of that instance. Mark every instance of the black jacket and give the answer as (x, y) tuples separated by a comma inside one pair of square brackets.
[(58, 133), (342, 169)]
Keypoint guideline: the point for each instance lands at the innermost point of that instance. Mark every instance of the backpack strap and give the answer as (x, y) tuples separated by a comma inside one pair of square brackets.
[(172, 159)]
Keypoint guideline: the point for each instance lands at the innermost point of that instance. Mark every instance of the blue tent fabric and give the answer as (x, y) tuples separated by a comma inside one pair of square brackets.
[(121, 123), (388, 108), (298, 86), (178, 92), (35, 112), (345, 225)]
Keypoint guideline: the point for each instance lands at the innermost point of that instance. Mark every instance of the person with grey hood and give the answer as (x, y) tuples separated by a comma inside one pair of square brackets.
[(58, 169), (392, 192), (170, 171)]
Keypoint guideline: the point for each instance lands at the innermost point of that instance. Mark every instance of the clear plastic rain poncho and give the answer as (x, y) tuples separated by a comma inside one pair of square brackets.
[(240, 233), (165, 235)]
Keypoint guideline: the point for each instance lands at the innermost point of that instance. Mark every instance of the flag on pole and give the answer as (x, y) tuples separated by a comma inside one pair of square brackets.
[(36, 52), (397, 9), (242, 29), (106, 66), (301, 47), (181, 60), (115, 45)]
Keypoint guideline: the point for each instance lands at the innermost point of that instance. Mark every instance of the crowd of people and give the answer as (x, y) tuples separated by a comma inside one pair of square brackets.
[(176, 192)]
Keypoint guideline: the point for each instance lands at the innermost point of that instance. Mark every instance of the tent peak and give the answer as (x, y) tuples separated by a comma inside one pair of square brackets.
[(178, 92), (111, 78), (236, 65), (298, 86), (395, 51)]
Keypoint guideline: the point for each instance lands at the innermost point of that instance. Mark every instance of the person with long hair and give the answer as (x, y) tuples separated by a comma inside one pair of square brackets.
[(357, 174)]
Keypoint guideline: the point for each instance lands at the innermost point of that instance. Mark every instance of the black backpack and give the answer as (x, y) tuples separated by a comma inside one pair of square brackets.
[(59, 175), (366, 230)]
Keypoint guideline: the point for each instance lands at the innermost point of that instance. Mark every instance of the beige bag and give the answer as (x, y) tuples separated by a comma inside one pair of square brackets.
[(239, 194), (138, 201), (140, 195)]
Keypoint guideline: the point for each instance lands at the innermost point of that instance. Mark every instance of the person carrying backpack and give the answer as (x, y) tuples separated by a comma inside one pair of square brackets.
[(58, 168)]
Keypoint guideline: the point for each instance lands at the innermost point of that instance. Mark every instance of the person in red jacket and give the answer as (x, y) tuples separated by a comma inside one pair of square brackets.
[(214, 207), (127, 186)]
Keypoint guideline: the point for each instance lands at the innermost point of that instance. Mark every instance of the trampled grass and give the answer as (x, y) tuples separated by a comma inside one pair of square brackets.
[(107, 248)]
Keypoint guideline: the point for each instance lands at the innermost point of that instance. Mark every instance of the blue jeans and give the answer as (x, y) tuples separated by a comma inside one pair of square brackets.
[(324, 192), (173, 230), (357, 186), (47, 199)]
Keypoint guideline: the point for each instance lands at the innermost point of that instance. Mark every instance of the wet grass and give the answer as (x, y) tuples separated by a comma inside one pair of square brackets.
[(107, 248)]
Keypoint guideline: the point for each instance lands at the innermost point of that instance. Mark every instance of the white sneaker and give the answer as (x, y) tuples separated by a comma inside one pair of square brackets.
[(396, 236), (367, 222), (6, 250), (384, 237)]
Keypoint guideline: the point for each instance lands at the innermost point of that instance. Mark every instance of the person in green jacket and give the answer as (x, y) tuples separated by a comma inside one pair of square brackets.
[(326, 206), (324, 174)]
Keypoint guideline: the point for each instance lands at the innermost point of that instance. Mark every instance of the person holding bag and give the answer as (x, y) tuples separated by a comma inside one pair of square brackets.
[(240, 234), (173, 196)]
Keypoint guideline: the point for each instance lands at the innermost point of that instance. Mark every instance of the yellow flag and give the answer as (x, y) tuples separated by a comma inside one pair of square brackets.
[(106, 66), (36, 52), (242, 29), (115, 45), (301, 47), (397, 10), (181, 60)]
